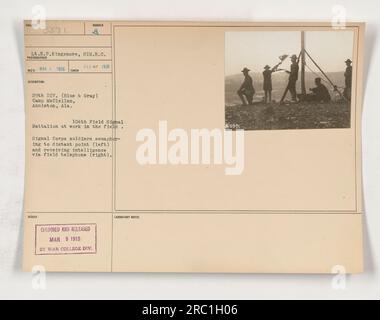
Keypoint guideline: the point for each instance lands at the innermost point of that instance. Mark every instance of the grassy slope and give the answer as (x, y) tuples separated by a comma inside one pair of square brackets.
[(262, 116)]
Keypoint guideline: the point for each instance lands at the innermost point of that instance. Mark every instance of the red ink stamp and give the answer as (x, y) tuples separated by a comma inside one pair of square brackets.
[(65, 239)]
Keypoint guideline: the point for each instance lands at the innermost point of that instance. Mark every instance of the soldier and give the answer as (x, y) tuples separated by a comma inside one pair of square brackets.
[(246, 89), (348, 80), (320, 92), (293, 77), (267, 85)]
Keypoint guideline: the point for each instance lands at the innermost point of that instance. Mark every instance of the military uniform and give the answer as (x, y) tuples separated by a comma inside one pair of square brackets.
[(321, 93), (267, 84), (348, 82), (246, 89), (293, 77)]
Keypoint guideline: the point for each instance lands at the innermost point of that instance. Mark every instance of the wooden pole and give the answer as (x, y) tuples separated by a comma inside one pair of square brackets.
[(303, 63)]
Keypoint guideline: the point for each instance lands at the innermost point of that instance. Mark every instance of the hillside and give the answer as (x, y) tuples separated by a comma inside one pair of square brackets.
[(303, 115)]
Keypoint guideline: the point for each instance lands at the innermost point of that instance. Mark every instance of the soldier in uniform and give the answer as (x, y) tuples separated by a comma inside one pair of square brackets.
[(320, 93), (293, 77), (246, 90), (267, 85), (348, 80)]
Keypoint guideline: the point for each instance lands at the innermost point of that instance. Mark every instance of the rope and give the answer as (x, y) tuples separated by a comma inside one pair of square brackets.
[(319, 75), (320, 69)]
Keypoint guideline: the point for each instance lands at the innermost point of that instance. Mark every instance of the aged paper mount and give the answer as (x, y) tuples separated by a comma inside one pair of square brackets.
[(193, 147)]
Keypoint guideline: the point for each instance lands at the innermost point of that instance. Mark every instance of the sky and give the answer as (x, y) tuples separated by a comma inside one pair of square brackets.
[(255, 49)]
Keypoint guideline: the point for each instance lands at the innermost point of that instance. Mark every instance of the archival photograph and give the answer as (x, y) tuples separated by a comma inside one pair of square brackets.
[(288, 79)]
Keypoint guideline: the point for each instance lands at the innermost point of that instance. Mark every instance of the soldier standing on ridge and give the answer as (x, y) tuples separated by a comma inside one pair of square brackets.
[(246, 89), (267, 74), (267, 85), (293, 77), (348, 80)]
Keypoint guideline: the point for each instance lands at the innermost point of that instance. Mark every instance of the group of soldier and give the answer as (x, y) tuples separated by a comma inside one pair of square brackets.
[(319, 93)]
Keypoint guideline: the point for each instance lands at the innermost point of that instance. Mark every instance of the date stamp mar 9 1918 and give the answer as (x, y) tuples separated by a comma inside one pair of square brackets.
[(65, 239)]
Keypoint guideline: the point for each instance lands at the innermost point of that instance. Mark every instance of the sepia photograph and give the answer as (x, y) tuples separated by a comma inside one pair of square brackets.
[(288, 79)]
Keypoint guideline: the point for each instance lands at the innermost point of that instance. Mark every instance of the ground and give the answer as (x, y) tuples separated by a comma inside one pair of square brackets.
[(302, 115)]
